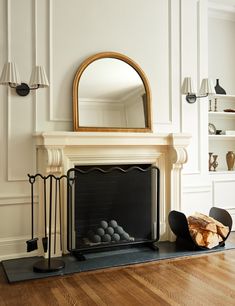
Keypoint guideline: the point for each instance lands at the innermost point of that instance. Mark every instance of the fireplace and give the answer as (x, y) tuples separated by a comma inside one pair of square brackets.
[(57, 152), (112, 206)]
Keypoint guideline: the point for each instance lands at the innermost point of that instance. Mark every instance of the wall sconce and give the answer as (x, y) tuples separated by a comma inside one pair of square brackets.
[(10, 76), (206, 89)]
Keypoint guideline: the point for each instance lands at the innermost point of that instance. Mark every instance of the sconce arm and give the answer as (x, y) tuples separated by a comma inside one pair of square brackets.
[(191, 98), (23, 89)]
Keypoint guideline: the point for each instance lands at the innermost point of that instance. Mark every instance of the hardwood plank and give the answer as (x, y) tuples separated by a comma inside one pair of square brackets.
[(199, 280)]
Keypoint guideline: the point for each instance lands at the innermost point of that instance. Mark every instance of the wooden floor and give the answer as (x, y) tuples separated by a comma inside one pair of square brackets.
[(201, 280)]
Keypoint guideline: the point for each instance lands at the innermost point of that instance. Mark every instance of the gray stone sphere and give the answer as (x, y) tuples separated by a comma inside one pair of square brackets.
[(125, 236), (113, 223), (104, 224), (96, 238), (109, 230), (119, 230), (106, 238), (100, 231), (116, 237)]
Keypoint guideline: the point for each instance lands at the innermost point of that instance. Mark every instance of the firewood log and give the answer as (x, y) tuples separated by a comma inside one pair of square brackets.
[(201, 223), (204, 237), (211, 239), (222, 230), (197, 237)]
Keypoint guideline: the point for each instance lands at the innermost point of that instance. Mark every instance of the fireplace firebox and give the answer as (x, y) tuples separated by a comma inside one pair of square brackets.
[(112, 206)]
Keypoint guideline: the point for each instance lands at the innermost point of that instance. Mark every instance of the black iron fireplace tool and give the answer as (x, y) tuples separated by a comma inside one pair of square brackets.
[(48, 264), (32, 244)]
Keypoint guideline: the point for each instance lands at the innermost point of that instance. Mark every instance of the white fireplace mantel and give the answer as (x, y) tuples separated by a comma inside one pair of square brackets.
[(62, 139), (57, 143), (57, 152)]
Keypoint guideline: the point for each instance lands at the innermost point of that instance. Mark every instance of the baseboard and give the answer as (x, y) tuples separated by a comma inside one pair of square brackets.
[(15, 247)]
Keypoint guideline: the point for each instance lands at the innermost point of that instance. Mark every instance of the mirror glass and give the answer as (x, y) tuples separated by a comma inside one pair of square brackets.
[(111, 94)]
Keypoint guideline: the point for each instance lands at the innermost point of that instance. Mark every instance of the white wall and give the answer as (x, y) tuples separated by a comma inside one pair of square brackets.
[(167, 38)]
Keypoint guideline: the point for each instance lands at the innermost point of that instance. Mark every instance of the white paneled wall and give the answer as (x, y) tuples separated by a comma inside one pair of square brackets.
[(167, 38)]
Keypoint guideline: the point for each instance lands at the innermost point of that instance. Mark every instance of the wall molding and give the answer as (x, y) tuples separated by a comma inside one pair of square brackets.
[(197, 189), (17, 200), (52, 117), (170, 59), (169, 122)]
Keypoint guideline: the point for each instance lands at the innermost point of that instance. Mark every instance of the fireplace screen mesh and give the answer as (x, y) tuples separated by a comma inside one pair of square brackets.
[(110, 206)]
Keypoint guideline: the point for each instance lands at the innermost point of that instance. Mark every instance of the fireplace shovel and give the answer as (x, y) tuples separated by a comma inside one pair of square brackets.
[(45, 239), (32, 244)]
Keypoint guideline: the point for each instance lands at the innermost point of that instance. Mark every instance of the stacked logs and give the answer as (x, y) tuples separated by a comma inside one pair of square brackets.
[(206, 231)]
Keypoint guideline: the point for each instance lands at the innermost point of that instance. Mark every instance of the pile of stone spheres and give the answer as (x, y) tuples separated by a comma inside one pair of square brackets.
[(108, 232)]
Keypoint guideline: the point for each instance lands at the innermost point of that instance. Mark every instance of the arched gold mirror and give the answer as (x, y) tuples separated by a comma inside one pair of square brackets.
[(111, 93)]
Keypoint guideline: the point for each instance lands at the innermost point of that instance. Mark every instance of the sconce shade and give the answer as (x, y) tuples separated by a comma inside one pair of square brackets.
[(10, 75), (38, 77), (187, 87), (207, 87)]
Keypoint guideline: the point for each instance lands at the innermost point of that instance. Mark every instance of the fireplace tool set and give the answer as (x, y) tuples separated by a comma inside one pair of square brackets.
[(52, 208)]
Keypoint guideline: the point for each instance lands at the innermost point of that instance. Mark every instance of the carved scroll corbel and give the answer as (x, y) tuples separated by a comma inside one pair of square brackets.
[(54, 160), (179, 156)]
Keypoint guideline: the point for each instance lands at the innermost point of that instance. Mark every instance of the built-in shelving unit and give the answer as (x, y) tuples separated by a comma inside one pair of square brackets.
[(221, 63), (223, 121)]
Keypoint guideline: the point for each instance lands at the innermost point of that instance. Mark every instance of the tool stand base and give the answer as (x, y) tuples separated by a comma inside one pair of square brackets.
[(48, 265)]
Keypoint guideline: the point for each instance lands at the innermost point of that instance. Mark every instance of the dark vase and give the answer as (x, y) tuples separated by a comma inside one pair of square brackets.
[(218, 89)]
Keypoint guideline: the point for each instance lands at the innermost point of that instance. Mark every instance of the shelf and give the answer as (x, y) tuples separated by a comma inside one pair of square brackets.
[(221, 137), (223, 96), (226, 115), (221, 172)]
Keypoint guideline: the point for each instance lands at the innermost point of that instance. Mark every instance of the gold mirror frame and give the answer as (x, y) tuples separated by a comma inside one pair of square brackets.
[(143, 77)]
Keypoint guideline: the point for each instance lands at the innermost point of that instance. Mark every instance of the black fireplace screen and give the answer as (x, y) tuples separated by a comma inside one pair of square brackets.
[(112, 206)]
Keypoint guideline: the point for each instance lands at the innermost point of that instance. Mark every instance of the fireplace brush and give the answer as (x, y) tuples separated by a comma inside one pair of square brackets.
[(32, 244)]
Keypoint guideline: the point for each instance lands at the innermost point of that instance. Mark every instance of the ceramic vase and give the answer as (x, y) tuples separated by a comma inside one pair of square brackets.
[(218, 89), (230, 158)]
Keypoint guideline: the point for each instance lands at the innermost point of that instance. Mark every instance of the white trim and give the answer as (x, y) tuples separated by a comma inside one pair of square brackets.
[(17, 200), (8, 26), (197, 189), (35, 40), (50, 51), (15, 247), (170, 59)]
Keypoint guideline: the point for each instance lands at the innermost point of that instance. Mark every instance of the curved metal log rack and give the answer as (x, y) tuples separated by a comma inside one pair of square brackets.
[(179, 226)]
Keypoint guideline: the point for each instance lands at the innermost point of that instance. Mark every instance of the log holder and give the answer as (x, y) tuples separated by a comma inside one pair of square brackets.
[(179, 226)]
